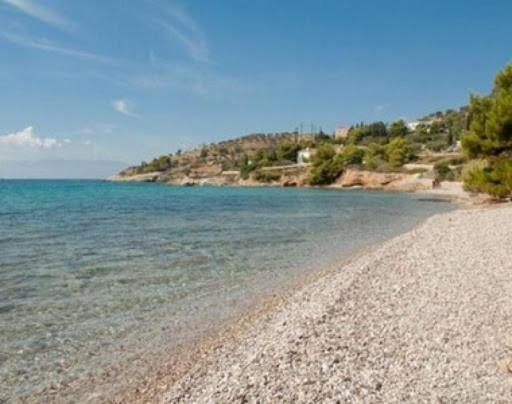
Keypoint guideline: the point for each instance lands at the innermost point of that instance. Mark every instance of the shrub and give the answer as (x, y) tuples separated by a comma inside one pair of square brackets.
[(375, 157), (266, 176), (161, 163), (326, 166), (437, 145), (399, 152), (351, 155), (398, 129), (246, 169), (443, 172), (494, 179), (288, 152), (375, 132)]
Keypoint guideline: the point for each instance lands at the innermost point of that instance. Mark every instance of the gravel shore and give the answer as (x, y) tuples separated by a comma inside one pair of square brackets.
[(425, 317)]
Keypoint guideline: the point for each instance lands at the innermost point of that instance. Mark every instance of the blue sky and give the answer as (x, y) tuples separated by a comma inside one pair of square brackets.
[(124, 81)]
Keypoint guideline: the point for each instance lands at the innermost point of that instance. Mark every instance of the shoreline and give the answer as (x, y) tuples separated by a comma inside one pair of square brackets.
[(201, 352), (218, 369), (202, 348), (136, 368), (451, 191)]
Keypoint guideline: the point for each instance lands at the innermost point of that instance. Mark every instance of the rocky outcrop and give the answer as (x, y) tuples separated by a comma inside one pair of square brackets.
[(218, 180), (146, 177), (288, 176), (382, 181)]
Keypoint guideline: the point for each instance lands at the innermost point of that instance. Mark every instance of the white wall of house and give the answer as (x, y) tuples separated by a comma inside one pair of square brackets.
[(303, 156)]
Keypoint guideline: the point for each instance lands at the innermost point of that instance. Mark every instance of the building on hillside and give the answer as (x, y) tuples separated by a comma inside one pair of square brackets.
[(304, 155), (413, 125), (341, 132), (426, 123)]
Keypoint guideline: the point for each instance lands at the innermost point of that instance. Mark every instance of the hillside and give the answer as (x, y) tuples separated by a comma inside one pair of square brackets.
[(272, 158)]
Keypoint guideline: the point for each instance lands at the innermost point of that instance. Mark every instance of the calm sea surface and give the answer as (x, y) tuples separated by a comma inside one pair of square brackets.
[(96, 277)]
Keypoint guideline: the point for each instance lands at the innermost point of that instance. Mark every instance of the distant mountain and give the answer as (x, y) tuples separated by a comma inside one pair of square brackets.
[(60, 169)]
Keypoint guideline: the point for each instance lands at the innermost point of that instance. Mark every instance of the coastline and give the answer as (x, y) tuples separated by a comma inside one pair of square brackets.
[(211, 349), (334, 323), (452, 191), (134, 365)]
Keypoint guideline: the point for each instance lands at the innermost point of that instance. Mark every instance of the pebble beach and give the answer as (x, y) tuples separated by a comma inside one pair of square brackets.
[(423, 317)]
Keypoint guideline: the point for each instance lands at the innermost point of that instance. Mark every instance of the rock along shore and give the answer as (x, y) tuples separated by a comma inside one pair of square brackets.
[(425, 317)]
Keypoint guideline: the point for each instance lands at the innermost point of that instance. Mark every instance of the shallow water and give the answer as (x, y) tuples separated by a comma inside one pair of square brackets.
[(92, 272)]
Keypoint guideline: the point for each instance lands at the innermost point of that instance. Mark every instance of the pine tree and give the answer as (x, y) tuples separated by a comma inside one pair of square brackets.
[(489, 138)]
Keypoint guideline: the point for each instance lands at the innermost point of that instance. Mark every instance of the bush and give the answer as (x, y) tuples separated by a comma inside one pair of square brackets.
[(288, 152), (399, 152), (246, 169), (266, 176), (375, 132), (351, 155), (494, 179), (398, 129), (443, 172), (161, 163), (326, 166), (437, 145), (375, 157)]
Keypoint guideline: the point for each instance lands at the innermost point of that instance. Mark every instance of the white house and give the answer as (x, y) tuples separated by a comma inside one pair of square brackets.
[(413, 125), (304, 155)]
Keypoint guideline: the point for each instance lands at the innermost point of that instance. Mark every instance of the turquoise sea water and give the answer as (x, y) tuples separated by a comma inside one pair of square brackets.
[(97, 277)]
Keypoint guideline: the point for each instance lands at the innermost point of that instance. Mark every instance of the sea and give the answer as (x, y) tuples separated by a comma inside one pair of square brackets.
[(98, 279)]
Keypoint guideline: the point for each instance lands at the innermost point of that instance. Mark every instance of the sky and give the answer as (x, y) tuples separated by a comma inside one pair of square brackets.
[(126, 81)]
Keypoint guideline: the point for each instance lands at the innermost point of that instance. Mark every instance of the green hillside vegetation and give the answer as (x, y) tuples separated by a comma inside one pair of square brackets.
[(484, 128), (376, 146), (255, 150), (488, 142), (388, 147)]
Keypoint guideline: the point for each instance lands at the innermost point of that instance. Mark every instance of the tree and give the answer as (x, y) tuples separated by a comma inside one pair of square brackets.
[(399, 152), (326, 167), (443, 172), (436, 127), (372, 133), (288, 151), (322, 137), (376, 157), (247, 167), (398, 129), (378, 129), (490, 138), (351, 155)]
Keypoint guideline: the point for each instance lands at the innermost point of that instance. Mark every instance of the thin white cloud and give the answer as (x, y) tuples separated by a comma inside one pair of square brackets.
[(48, 46), (201, 83), (186, 32), (28, 138), (378, 109), (124, 107), (97, 130), (199, 80), (40, 13)]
